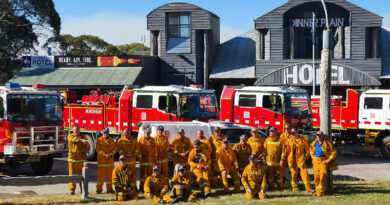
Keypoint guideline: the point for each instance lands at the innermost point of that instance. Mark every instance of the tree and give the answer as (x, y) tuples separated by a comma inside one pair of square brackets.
[(130, 48), (22, 22)]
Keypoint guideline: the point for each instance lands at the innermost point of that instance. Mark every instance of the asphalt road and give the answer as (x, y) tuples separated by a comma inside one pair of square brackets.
[(354, 164)]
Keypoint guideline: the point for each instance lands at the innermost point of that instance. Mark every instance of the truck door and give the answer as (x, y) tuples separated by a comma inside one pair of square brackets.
[(270, 111), (245, 111), (167, 108), (371, 112), (143, 109)]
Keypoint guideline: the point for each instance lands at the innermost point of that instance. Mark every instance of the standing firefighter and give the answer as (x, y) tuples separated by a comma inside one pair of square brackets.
[(181, 148), (228, 164), (123, 178), (216, 142), (162, 151), (146, 160), (286, 135), (257, 144), (129, 148), (274, 149), (243, 151), (298, 152), (200, 166), (181, 184), (156, 187), (254, 179), (78, 145), (324, 159), (205, 143), (105, 148)]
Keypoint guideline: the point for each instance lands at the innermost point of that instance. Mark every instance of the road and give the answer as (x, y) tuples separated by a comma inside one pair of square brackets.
[(354, 164)]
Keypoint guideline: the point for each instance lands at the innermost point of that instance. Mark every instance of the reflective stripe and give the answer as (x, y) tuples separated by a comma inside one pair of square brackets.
[(76, 161), (105, 165), (331, 157), (97, 183), (108, 182), (130, 163), (74, 139), (320, 187), (245, 184), (146, 189), (100, 152), (274, 143), (333, 168), (146, 164), (301, 164), (306, 182), (293, 183), (120, 151), (162, 161), (175, 152), (272, 164), (117, 184), (236, 182)]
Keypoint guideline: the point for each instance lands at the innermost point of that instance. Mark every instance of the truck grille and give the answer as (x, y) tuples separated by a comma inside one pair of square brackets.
[(45, 148)]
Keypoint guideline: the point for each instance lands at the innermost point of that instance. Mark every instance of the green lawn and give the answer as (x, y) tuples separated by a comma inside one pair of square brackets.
[(362, 192)]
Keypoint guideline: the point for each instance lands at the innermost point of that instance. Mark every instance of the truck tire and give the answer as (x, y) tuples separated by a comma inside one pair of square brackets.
[(43, 166), (91, 152), (385, 147)]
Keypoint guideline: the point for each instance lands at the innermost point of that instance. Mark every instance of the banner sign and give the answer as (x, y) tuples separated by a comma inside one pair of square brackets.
[(75, 61), (307, 23), (38, 61), (98, 61)]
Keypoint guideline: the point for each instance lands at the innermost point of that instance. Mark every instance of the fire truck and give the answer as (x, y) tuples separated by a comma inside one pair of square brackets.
[(263, 107), (31, 127), (364, 118), (130, 107)]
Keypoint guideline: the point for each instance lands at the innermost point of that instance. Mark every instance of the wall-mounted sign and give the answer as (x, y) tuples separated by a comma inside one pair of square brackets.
[(119, 61), (75, 61), (306, 23), (38, 61)]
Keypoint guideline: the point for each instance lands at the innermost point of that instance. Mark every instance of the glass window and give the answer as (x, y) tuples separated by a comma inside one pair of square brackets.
[(267, 102), (178, 25), (1, 108), (373, 103), (162, 102), (247, 101), (144, 101)]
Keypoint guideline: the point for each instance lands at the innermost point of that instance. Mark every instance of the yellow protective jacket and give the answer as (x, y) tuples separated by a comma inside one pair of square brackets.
[(286, 136), (125, 146), (123, 178), (185, 180), (242, 154), (192, 159), (329, 151), (206, 147), (257, 146), (77, 149), (274, 149), (180, 146), (162, 146), (297, 151), (147, 151), (254, 178), (215, 144), (227, 160), (103, 147), (156, 185)]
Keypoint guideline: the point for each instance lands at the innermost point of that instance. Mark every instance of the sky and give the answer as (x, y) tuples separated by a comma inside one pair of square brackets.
[(124, 21)]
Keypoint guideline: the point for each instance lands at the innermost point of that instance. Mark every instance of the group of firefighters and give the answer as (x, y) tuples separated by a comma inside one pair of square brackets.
[(210, 160)]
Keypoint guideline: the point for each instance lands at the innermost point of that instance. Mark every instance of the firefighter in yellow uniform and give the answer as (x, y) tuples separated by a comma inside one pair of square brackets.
[(257, 144), (128, 146), (156, 187), (123, 178), (106, 149), (200, 166), (254, 179), (205, 143), (286, 135), (181, 184), (243, 151), (274, 149), (216, 142), (78, 145), (146, 157), (162, 151), (324, 159), (181, 148), (228, 164), (297, 153)]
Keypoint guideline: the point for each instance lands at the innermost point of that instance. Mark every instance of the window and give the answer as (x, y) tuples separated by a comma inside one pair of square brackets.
[(373, 42), (1, 108), (247, 101), (162, 102), (144, 101), (267, 102), (373, 103), (178, 33)]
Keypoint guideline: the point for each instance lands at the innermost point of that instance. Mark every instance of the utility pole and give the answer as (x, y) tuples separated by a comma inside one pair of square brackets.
[(326, 87)]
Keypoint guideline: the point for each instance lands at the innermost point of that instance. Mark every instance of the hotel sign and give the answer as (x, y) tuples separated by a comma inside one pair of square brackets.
[(321, 22)]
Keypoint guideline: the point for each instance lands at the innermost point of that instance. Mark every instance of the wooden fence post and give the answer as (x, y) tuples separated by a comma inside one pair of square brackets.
[(85, 180)]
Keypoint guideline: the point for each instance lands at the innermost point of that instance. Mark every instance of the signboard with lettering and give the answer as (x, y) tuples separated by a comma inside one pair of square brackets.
[(302, 23), (75, 61), (302, 75), (38, 61), (98, 61)]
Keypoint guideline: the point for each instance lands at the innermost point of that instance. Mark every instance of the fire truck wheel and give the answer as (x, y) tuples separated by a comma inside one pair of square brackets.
[(91, 153), (43, 166), (385, 147)]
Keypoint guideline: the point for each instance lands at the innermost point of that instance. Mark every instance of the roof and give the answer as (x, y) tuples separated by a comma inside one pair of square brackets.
[(28, 90), (377, 91), (236, 58), (173, 88), (180, 5), (385, 53), (78, 77), (281, 89)]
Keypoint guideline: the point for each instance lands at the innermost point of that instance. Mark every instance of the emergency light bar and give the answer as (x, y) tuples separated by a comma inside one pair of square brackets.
[(39, 86), (12, 85)]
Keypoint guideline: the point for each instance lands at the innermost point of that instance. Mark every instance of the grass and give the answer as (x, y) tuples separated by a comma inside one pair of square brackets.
[(361, 192)]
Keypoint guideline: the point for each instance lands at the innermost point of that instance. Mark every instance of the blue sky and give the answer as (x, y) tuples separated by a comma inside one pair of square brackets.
[(124, 21)]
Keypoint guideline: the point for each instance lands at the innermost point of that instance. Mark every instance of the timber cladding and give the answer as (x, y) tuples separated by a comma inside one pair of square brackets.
[(283, 38), (185, 63)]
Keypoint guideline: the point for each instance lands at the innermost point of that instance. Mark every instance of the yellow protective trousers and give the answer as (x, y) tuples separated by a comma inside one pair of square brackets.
[(320, 175), (294, 168), (202, 178), (124, 196), (146, 169), (75, 168), (254, 195), (104, 171), (157, 199), (236, 181), (272, 170)]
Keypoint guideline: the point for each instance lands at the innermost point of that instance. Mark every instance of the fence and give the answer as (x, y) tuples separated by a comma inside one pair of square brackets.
[(48, 180)]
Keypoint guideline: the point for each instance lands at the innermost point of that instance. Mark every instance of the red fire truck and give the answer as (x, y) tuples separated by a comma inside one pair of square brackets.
[(262, 107), (31, 127), (363, 118), (132, 106)]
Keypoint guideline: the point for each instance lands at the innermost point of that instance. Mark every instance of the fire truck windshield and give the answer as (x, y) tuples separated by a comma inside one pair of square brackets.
[(33, 108), (194, 105), (296, 104)]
